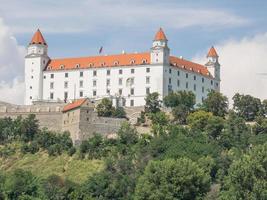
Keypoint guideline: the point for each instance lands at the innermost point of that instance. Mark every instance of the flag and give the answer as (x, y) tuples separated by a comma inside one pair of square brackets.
[(100, 50)]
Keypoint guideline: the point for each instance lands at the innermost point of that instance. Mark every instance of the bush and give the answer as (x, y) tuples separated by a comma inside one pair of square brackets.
[(54, 150), (71, 151), (119, 113)]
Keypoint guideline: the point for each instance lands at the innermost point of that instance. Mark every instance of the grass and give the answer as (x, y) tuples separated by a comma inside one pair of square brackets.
[(43, 165)]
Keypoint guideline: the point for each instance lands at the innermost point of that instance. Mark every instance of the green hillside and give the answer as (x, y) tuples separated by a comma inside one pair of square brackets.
[(43, 165)]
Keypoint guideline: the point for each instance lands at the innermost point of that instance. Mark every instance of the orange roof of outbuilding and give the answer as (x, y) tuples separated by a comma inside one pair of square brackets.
[(160, 35), (73, 105), (38, 38), (212, 52)]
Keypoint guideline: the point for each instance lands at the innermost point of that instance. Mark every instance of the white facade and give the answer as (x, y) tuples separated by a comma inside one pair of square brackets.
[(130, 83)]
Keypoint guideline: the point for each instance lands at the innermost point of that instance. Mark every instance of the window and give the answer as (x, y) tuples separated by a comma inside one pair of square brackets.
[(66, 75), (30, 87), (132, 91), (65, 96), (123, 102), (31, 77), (147, 70), (144, 61), (51, 95), (170, 71), (147, 90), (202, 80), (108, 82), (65, 84), (202, 99), (81, 93), (217, 84), (108, 91), (44, 77), (94, 93), (186, 85), (211, 82), (195, 77), (95, 73), (94, 82), (195, 87), (120, 71), (178, 73), (147, 80), (170, 81), (132, 71), (81, 84), (77, 66), (203, 89), (120, 81), (30, 97), (178, 83), (108, 72), (81, 74), (52, 85), (132, 62), (186, 75), (120, 91), (132, 102), (61, 66), (51, 75)]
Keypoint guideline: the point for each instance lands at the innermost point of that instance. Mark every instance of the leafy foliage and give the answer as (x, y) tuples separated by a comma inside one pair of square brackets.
[(172, 179), (152, 103), (216, 103), (105, 109)]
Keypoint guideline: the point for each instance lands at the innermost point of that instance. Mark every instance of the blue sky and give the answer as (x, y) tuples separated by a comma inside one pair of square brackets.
[(79, 28), (72, 28)]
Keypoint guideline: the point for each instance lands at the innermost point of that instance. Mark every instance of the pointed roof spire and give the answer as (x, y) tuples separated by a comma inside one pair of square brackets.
[(212, 52), (38, 38), (160, 35)]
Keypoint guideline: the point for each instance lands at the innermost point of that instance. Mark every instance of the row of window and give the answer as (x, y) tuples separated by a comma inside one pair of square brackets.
[(129, 81), (95, 73), (211, 81), (81, 94)]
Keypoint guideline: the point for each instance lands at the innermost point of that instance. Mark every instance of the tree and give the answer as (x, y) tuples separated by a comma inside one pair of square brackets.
[(247, 176), (119, 112), (216, 103), (214, 127), (105, 108), (21, 183), (172, 179), (159, 122), (30, 128), (152, 103), (198, 120), (247, 106), (182, 103)]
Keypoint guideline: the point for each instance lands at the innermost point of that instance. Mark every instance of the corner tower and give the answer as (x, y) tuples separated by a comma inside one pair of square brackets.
[(35, 62), (213, 64), (160, 51)]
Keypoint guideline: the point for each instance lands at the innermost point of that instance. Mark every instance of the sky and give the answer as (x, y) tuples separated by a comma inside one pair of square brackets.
[(237, 29)]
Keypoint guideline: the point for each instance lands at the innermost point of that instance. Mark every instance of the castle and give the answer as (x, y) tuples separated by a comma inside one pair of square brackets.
[(126, 78)]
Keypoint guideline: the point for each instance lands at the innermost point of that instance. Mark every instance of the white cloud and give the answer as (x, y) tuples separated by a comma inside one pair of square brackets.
[(90, 15), (11, 67), (243, 66)]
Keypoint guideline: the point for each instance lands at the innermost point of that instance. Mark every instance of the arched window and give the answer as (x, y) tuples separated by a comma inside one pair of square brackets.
[(77, 65), (91, 64), (116, 63), (61, 66), (144, 61), (132, 62)]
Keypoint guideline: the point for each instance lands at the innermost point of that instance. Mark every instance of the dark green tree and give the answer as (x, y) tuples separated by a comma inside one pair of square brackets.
[(22, 183), (105, 108), (247, 107), (152, 103), (216, 103), (172, 179), (247, 176), (182, 103), (198, 120)]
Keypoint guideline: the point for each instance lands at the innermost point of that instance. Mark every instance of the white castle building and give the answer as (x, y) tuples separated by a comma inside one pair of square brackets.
[(127, 77)]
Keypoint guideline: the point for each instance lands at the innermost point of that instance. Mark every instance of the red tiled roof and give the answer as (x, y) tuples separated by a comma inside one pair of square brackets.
[(38, 38), (99, 61), (73, 105), (121, 60), (160, 35), (212, 52), (189, 66)]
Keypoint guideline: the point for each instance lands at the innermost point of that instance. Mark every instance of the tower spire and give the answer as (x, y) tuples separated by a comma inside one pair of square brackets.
[(160, 35), (212, 53), (38, 38)]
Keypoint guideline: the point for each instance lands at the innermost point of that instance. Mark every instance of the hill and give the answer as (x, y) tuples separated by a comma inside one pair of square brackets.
[(43, 165)]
